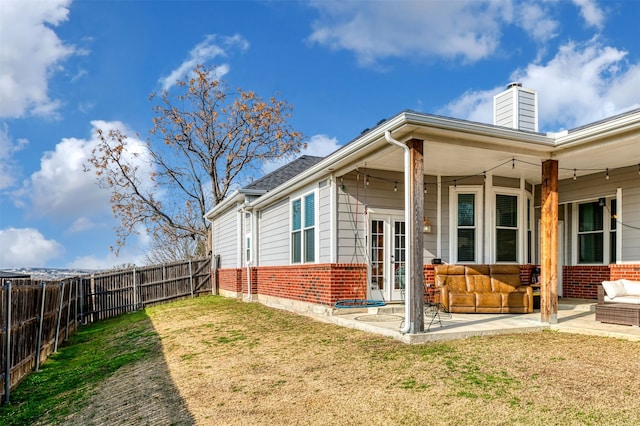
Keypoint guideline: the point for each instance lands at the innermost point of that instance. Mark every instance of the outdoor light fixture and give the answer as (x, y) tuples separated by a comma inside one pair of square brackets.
[(426, 226)]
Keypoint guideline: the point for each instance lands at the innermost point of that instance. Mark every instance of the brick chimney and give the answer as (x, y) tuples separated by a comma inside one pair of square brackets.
[(516, 108)]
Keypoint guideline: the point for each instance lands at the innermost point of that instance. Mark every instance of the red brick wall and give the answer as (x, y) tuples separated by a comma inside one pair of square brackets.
[(582, 281), (327, 283), (628, 271), (429, 274), (230, 279), (320, 284)]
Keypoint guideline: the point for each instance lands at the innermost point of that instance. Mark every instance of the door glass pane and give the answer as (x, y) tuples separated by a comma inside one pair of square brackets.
[(377, 254), (466, 209), (399, 256), (466, 245), (506, 245)]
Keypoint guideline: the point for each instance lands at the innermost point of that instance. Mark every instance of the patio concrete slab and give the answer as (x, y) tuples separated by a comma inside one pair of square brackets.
[(574, 316)]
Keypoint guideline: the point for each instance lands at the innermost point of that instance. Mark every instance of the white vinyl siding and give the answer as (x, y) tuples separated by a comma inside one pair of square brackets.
[(225, 238), (274, 235), (324, 224)]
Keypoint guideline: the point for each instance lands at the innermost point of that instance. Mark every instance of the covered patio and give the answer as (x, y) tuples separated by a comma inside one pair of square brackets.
[(575, 316)]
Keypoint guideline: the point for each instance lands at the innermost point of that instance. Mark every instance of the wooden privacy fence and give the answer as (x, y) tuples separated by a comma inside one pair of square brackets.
[(37, 315)]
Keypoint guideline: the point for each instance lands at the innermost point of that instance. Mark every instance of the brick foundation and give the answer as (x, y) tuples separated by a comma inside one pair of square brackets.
[(627, 271), (322, 284), (581, 282), (325, 284)]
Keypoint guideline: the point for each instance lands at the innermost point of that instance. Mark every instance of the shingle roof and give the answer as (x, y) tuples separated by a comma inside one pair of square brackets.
[(284, 173)]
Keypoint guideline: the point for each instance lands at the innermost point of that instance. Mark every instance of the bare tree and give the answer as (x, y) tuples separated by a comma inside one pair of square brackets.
[(205, 140)]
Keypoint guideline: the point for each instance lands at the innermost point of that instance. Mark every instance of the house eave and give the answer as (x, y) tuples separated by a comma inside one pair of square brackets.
[(237, 196)]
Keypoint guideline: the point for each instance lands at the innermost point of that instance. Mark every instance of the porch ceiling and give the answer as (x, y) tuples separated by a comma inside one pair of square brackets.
[(466, 159)]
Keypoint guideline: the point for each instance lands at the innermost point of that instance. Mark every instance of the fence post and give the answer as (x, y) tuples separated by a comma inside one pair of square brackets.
[(135, 291), (40, 324), (7, 335), (81, 285), (55, 346), (66, 331), (190, 278), (75, 307)]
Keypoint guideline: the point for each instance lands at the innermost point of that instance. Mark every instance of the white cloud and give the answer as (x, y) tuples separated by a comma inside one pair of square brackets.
[(26, 247), (31, 50), (317, 145), (575, 87), (81, 224), (8, 168), (377, 30), (583, 83), (62, 189), (536, 21), (208, 49), (592, 14), (133, 254), (473, 105)]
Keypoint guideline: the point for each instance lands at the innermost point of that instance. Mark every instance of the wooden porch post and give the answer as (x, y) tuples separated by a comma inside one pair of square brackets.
[(549, 243), (416, 245)]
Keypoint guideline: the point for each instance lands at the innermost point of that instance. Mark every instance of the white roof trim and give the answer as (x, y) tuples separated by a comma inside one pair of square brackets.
[(236, 196)]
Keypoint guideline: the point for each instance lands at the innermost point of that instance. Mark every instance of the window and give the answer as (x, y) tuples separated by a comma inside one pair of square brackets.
[(303, 229), (506, 228), (529, 233), (248, 249), (467, 225), (465, 230), (612, 234), (590, 233), (247, 237)]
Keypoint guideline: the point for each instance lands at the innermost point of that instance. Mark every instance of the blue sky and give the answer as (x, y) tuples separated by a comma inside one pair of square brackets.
[(67, 68)]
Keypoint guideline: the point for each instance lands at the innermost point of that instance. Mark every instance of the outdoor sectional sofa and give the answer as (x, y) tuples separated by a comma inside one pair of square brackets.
[(619, 302), (483, 289)]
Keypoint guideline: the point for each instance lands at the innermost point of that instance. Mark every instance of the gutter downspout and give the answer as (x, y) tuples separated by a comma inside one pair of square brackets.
[(242, 253), (408, 229)]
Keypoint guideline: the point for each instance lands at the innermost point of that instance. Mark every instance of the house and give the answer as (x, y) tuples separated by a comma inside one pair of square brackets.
[(320, 230)]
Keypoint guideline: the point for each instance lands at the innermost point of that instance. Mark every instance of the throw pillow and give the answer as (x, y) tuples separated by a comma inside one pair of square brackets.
[(609, 288)]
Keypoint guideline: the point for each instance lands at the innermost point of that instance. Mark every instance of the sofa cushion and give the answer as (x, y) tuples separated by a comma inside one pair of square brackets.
[(614, 288), (455, 283), (478, 279), (631, 288), (505, 269), (632, 300), (462, 302), (449, 270), (488, 302), (505, 283)]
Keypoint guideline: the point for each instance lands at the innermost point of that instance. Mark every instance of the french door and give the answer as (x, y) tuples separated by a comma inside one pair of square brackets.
[(387, 257)]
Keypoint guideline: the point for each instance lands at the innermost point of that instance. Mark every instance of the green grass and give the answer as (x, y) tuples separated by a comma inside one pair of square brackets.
[(66, 379)]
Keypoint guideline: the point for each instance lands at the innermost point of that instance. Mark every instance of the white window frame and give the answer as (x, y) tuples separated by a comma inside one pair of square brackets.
[(454, 191), (606, 231), (521, 230), (302, 230)]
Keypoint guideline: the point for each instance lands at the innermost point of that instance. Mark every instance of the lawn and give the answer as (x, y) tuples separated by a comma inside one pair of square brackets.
[(211, 360)]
